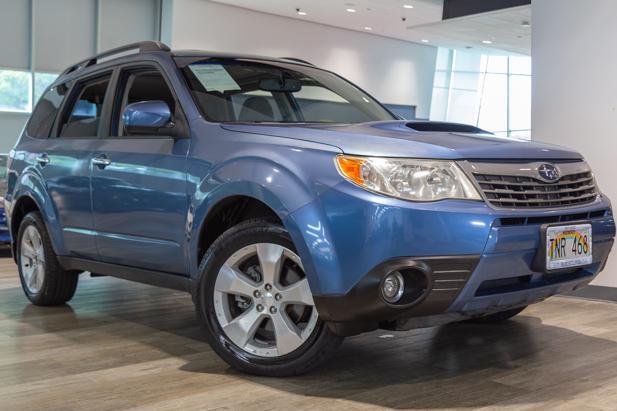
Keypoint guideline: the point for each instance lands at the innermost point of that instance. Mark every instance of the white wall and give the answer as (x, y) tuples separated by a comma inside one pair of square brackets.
[(11, 125), (394, 71), (574, 97)]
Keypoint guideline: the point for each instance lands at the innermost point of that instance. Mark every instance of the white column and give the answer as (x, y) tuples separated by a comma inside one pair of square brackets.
[(574, 97)]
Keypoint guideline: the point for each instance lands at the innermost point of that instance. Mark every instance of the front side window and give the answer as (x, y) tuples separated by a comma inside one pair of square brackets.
[(138, 85), (46, 111), (84, 115), (246, 91)]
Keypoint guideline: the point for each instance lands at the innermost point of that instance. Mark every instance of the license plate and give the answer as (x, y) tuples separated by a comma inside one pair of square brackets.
[(568, 246)]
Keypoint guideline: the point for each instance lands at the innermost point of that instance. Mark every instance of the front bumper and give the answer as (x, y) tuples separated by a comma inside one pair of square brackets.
[(478, 260)]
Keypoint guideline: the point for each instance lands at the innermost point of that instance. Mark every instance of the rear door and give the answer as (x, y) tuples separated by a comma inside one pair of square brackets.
[(63, 159), (139, 197)]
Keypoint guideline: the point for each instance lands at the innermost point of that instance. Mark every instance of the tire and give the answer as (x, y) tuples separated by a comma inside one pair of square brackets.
[(262, 350), (497, 317), (35, 259)]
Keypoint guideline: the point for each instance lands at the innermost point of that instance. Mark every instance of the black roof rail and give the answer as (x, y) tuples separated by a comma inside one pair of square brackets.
[(297, 60), (141, 47)]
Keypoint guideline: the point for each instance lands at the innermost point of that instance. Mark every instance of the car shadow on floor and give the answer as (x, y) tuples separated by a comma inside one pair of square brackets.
[(456, 365)]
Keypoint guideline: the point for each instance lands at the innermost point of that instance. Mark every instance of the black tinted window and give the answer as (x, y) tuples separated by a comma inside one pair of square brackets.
[(84, 115), (42, 119)]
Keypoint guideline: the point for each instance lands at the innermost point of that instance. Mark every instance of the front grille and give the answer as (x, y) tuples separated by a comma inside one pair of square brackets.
[(516, 191)]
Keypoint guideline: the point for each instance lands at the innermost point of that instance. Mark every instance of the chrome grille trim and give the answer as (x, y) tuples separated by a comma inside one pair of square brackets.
[(518, 185)]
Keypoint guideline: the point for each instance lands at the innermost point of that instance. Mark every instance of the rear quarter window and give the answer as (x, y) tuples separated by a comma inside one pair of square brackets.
[(46, 111)]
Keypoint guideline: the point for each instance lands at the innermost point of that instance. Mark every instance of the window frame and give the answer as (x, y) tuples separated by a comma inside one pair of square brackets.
[(180, 130)]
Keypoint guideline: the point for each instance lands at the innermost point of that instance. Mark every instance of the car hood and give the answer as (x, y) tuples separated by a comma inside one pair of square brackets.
[(400, 139)]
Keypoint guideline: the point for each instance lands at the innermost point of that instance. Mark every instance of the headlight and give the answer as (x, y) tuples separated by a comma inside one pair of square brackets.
[(409, 179)]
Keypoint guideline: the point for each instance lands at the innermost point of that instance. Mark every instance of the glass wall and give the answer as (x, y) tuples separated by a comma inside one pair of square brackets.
[(491, 92), (42, 39), (20, 90)]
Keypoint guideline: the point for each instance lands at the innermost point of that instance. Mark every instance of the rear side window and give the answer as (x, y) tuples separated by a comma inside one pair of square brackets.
[(83, 117), (46, 111)]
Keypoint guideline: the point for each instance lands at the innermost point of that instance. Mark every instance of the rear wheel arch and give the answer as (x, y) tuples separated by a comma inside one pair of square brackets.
[(23, 205)]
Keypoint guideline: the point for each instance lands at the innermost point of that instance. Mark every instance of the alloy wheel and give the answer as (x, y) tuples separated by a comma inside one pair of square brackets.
[(263, 302), (32, 259)]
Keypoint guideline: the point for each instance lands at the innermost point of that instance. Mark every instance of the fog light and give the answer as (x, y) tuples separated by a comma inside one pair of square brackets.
[(392, 287)]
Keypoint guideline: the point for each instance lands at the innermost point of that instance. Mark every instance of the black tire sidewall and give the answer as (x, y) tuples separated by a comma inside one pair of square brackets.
[(232, 240)]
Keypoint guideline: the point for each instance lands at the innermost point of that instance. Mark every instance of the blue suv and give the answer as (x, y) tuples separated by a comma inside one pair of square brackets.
[(292, 206)]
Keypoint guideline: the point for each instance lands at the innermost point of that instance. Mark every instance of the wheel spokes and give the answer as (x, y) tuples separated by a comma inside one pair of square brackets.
[(232, 281), (298, 293), (242, 328), (270, 259), (32, 255), (30, 273), (27, 250), (40, 275), (35, 239), (288, 336)]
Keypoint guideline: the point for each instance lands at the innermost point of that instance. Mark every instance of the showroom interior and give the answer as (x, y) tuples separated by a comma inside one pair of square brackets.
[(524, 70)]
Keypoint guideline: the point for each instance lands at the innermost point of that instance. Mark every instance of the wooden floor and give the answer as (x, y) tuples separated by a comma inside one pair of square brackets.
[(120, 345)]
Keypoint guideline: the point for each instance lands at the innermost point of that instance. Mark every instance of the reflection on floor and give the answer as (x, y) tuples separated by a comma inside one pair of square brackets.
[(121, 345)]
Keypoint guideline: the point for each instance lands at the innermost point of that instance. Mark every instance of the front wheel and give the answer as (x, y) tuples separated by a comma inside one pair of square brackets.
[(256, 304)]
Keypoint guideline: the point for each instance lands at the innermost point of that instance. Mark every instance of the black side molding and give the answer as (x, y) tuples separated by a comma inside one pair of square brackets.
[(156, 278)]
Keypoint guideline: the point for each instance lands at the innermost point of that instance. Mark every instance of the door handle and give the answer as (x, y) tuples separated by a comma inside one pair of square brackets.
[(101, 161), (43, 159)]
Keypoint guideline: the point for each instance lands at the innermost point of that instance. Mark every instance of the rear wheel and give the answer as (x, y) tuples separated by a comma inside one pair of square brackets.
[(498, 317), (42, 278), (256, 303)]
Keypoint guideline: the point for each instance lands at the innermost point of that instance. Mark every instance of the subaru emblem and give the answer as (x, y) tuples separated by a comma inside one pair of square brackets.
[(548, 172)]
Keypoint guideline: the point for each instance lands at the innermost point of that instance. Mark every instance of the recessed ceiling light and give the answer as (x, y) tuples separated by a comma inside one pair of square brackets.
[(369, 28), (351, 10), (424, 41), (487, 42), (300, 12), (407, 6)]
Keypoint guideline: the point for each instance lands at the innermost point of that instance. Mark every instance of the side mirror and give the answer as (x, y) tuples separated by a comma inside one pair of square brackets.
[(146, 117)]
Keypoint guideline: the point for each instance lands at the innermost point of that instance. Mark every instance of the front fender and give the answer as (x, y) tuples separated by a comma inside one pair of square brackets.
[(283, 181)]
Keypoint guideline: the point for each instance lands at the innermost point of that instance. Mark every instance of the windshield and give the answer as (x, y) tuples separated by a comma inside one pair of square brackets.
[(247, 91)]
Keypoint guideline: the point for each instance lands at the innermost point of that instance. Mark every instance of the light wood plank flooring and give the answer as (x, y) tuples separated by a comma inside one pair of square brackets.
[(120, 345)]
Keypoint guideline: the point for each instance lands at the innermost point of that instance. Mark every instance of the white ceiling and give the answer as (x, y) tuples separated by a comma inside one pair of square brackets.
[(422, 22), (509, 31)]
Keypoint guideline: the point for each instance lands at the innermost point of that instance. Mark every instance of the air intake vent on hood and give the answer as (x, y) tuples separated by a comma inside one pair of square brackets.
[(438, 126)]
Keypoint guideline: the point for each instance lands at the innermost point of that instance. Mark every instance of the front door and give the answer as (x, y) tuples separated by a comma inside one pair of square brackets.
[(139, 198)]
